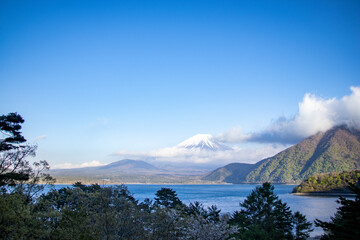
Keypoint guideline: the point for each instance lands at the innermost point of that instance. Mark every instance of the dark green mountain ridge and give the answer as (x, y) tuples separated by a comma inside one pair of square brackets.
[(335, 150), (231, 173)]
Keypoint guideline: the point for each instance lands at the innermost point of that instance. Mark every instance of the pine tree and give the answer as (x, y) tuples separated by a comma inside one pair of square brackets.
[(345, 224), (10, 126), (167, 197), (265, 216)]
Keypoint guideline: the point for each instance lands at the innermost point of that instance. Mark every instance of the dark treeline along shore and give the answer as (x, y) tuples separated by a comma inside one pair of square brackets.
[(111, 212)]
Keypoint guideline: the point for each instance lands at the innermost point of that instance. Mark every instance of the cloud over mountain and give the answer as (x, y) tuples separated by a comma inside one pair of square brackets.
[(82, 165), (204, 149), (314, 115)]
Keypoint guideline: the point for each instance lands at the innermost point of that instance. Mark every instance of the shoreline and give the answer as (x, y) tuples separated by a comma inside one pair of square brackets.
[(140, 183), (326, 194)]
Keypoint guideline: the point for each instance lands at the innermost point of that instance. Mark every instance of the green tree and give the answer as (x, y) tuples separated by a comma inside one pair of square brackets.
[(265, 216), (14, 166), (345, 224), (302, 227), (196, 208), (65, 215), (19, 183), (200, 228), (329, 182), (87, 188), (15, 169), (90, 212), (10, 126), (211, 214), (16, 218), (167, 198)]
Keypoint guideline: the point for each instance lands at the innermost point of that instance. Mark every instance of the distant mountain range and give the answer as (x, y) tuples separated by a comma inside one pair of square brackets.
[(122, 166), (128, 165), (336, 150), (124, 171), (137, 171)]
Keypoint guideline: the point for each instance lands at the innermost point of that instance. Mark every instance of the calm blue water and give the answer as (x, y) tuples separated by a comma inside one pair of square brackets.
[(228, 197)]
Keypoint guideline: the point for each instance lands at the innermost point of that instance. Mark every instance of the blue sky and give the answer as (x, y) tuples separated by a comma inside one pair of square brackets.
[(92, 78)]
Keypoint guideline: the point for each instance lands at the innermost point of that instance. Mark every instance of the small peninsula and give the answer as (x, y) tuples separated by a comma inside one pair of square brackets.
[(328, 183)]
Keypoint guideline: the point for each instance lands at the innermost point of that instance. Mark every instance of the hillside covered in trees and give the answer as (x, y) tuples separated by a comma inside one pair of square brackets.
[(335, 150), (231, 173), (330, 183)]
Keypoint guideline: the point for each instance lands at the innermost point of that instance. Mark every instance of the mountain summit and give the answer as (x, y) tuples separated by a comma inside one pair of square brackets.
[(203, 142), (335, 150)]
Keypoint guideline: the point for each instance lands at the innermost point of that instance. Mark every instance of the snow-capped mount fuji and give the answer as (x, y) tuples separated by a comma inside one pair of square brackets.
[(203, 142)]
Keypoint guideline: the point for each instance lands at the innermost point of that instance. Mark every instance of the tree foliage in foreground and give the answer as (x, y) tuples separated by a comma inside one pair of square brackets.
[(13, 166), (167, 198), (15, 170), (264, 216), (345, 224), (10, 126), (92, 212)]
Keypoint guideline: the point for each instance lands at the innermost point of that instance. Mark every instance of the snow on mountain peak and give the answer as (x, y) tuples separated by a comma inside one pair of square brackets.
[(204, 142)]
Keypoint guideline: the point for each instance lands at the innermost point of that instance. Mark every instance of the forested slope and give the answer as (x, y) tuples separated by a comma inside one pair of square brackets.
[(330, 182), (231, 173), (335, 150)]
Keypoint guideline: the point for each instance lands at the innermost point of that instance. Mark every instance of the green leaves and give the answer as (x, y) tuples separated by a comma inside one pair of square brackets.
[(84, 211), (10, 125), (167, 197), (264, 216), (345, 224), (336, 150), (94, 212), (331, 182), (302, 226)]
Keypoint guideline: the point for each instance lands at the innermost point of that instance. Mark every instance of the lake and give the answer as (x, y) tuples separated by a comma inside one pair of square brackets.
[(228, 197)]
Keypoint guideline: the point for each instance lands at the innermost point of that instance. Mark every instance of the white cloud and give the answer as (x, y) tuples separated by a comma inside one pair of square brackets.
[(71, 165), (40, 137), (233, 135), (197, 156), (314, 115)]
